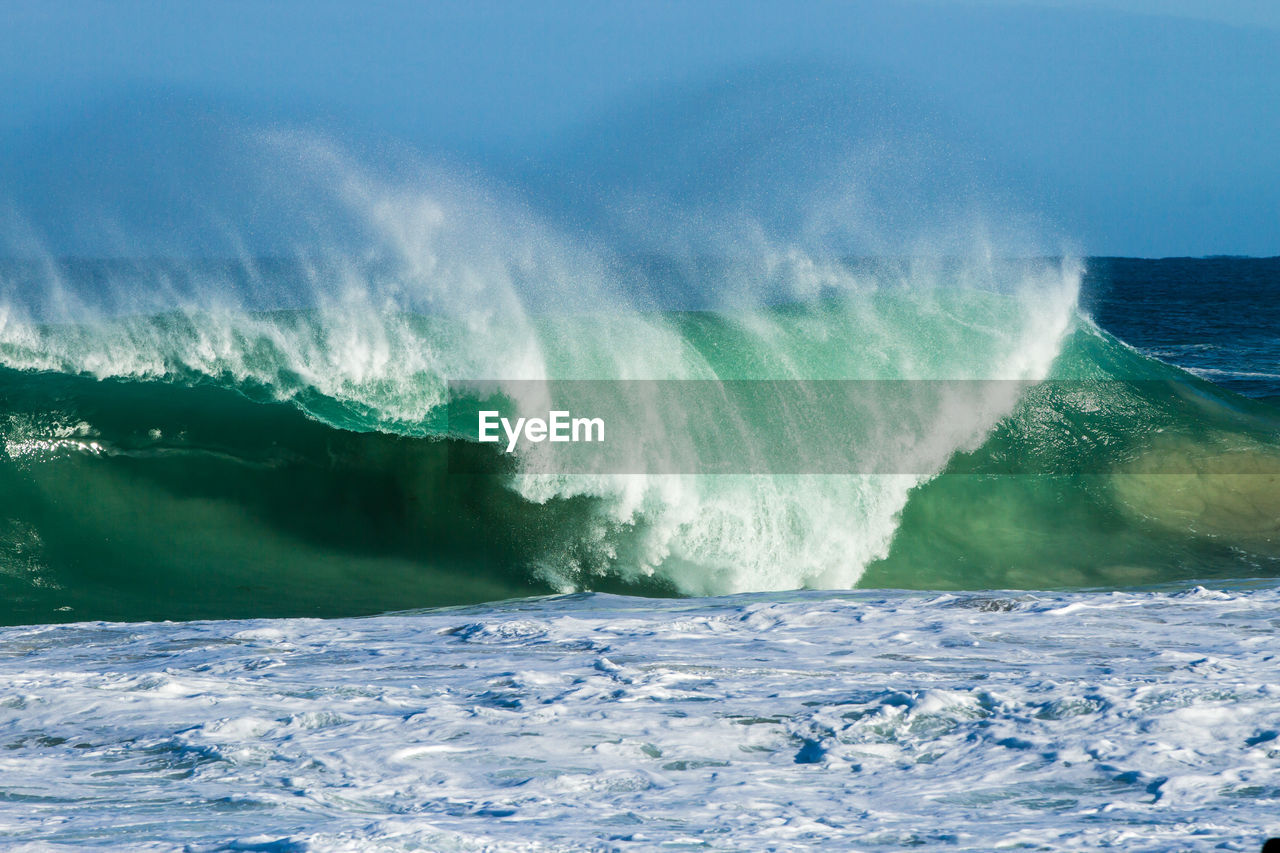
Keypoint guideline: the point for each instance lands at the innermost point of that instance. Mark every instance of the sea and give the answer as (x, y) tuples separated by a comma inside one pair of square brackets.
[(261, 591)]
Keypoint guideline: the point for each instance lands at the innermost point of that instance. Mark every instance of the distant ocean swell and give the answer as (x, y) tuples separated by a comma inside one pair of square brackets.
[(220, 462)]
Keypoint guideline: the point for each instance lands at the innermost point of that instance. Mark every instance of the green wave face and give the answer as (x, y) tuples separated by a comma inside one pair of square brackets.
[(1161, 479), (215, 465)]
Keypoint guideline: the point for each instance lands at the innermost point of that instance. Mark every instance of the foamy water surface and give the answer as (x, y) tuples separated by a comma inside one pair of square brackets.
[(1128, 720)]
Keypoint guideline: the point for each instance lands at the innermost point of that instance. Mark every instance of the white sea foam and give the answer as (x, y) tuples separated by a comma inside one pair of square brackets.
[(1129, 720)]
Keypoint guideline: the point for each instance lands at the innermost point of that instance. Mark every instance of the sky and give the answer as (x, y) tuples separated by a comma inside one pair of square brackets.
[(1133, 127)]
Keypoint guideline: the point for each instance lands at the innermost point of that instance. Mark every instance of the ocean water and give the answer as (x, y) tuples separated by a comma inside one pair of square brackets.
[(1053, 628), (1215, 317), (854, 721)]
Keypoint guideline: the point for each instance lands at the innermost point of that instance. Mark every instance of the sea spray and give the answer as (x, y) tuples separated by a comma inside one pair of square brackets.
[(199, 494), (203, 394)]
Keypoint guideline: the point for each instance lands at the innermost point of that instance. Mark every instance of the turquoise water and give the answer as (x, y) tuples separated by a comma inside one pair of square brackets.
[(233, 463)]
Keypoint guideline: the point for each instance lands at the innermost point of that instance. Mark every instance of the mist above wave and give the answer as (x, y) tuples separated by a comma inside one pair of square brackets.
[(847, 197)]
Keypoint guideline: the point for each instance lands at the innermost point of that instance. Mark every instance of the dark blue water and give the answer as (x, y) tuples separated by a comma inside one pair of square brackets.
[(1216, 317)]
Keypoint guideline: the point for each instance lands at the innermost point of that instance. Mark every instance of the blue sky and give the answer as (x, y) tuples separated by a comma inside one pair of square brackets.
[(1131, 132)]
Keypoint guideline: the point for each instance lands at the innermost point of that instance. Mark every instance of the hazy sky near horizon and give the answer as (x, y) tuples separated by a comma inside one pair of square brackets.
[(1132, 130), (1246, 13)]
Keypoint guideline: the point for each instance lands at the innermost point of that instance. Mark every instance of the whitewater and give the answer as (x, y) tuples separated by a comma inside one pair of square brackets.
[(1137, 721)]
